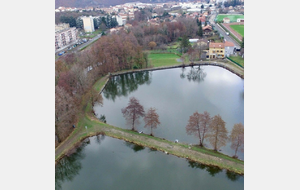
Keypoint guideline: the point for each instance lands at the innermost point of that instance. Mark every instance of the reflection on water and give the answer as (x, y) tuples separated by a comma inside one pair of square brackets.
[(123, 85), (195, 74), (111, 165), (212, 170), (69, 166), (134, 147)]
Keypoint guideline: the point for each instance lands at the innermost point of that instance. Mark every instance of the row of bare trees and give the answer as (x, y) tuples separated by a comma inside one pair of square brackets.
[(213, 129), (164, 32), (75, 75), (134, 110)]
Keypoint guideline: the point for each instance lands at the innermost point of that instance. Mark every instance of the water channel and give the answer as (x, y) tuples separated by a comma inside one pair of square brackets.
[(106, 163)]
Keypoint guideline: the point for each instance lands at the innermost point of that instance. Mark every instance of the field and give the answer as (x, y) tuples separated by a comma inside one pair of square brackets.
[(232, 18), (238, 59), (238, 28), (167, 59)]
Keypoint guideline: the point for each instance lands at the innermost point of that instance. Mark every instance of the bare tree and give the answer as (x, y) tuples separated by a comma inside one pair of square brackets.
[(133, 112), (198, 125), (217, 133), (237, 138), (65, 113), (151, 119)]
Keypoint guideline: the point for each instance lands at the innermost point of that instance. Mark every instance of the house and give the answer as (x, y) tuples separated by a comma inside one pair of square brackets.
[(207, 30), (226, 20), (229, 48), (216, 50)]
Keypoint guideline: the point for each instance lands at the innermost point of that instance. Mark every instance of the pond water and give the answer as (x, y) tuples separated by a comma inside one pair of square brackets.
[(106, 163), (177, 94)]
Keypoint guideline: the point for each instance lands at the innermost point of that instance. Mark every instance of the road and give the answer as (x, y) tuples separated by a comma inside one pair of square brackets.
[(221, 31), (79, 47)]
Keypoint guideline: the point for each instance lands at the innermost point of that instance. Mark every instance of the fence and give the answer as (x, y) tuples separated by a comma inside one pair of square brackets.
[(234, 62)]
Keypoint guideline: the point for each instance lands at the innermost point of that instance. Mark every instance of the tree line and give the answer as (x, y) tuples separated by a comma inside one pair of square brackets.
[(74, 82), (201, 125), (213, 129)]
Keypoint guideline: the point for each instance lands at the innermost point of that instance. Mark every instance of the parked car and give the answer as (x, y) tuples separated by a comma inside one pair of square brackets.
[(227, 33), (61, 53)]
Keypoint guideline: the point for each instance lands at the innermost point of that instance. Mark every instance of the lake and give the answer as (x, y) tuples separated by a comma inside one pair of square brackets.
[(176, 94), (106, 163)]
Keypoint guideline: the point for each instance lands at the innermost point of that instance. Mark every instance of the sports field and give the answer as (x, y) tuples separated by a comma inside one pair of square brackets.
[(238, 28), (232, 18)]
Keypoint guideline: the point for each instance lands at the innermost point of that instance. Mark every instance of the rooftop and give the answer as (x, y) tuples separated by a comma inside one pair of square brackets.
[(216, 45)]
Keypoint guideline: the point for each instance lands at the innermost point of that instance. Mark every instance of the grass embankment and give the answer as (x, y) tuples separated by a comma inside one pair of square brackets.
[(94, 127)]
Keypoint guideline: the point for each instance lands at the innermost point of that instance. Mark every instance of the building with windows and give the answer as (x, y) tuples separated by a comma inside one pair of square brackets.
[(64, 35), (88, 23), (216, 50)]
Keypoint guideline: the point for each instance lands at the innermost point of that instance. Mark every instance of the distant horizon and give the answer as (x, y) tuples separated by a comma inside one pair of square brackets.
[(105, 3)]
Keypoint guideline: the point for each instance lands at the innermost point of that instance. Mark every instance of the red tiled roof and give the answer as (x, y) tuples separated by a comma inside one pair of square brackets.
[(229, 44), (216, 45), (207, 27)]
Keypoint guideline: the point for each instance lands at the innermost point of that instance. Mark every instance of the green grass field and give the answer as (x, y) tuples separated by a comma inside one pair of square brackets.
[(232, 18), (238, 28), (159, 59), (238, 59)]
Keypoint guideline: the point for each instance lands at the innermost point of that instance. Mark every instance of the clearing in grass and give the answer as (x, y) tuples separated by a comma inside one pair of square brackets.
[(160, 59)]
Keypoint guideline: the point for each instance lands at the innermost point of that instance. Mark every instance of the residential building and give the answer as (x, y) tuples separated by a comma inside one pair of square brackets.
[(207, 30), (88, 24), (216, 50), (229, 48), (64, 35)]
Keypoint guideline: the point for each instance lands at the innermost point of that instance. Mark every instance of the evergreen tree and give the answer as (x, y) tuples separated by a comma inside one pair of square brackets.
[(200, 31), (79, 23), (242, 44), (184, 44)]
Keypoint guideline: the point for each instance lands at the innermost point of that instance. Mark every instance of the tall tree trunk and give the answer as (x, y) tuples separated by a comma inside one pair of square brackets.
[(199, 137)]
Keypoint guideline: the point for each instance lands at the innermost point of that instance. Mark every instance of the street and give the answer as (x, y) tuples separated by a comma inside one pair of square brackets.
[(77, 48), (222, 32)]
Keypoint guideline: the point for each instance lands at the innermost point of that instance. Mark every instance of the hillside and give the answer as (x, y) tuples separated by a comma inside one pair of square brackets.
[(99, 3)]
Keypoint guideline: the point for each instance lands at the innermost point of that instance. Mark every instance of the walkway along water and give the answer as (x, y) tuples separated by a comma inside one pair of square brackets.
[(201, 155)]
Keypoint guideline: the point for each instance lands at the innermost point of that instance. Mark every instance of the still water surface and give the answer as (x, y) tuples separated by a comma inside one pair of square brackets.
[(177, 94), (108, 163)]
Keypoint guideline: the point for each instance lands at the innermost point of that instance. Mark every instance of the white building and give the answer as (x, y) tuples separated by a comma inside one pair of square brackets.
[(64, 35), (88, 24), (120, 20)]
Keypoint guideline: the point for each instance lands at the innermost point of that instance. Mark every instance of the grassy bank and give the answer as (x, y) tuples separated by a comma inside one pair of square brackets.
[(88, 126), (238, 59), (159, 59)]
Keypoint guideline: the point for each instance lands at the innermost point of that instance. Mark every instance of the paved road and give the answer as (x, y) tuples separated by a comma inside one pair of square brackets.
[(77, 48), (221, 31)]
